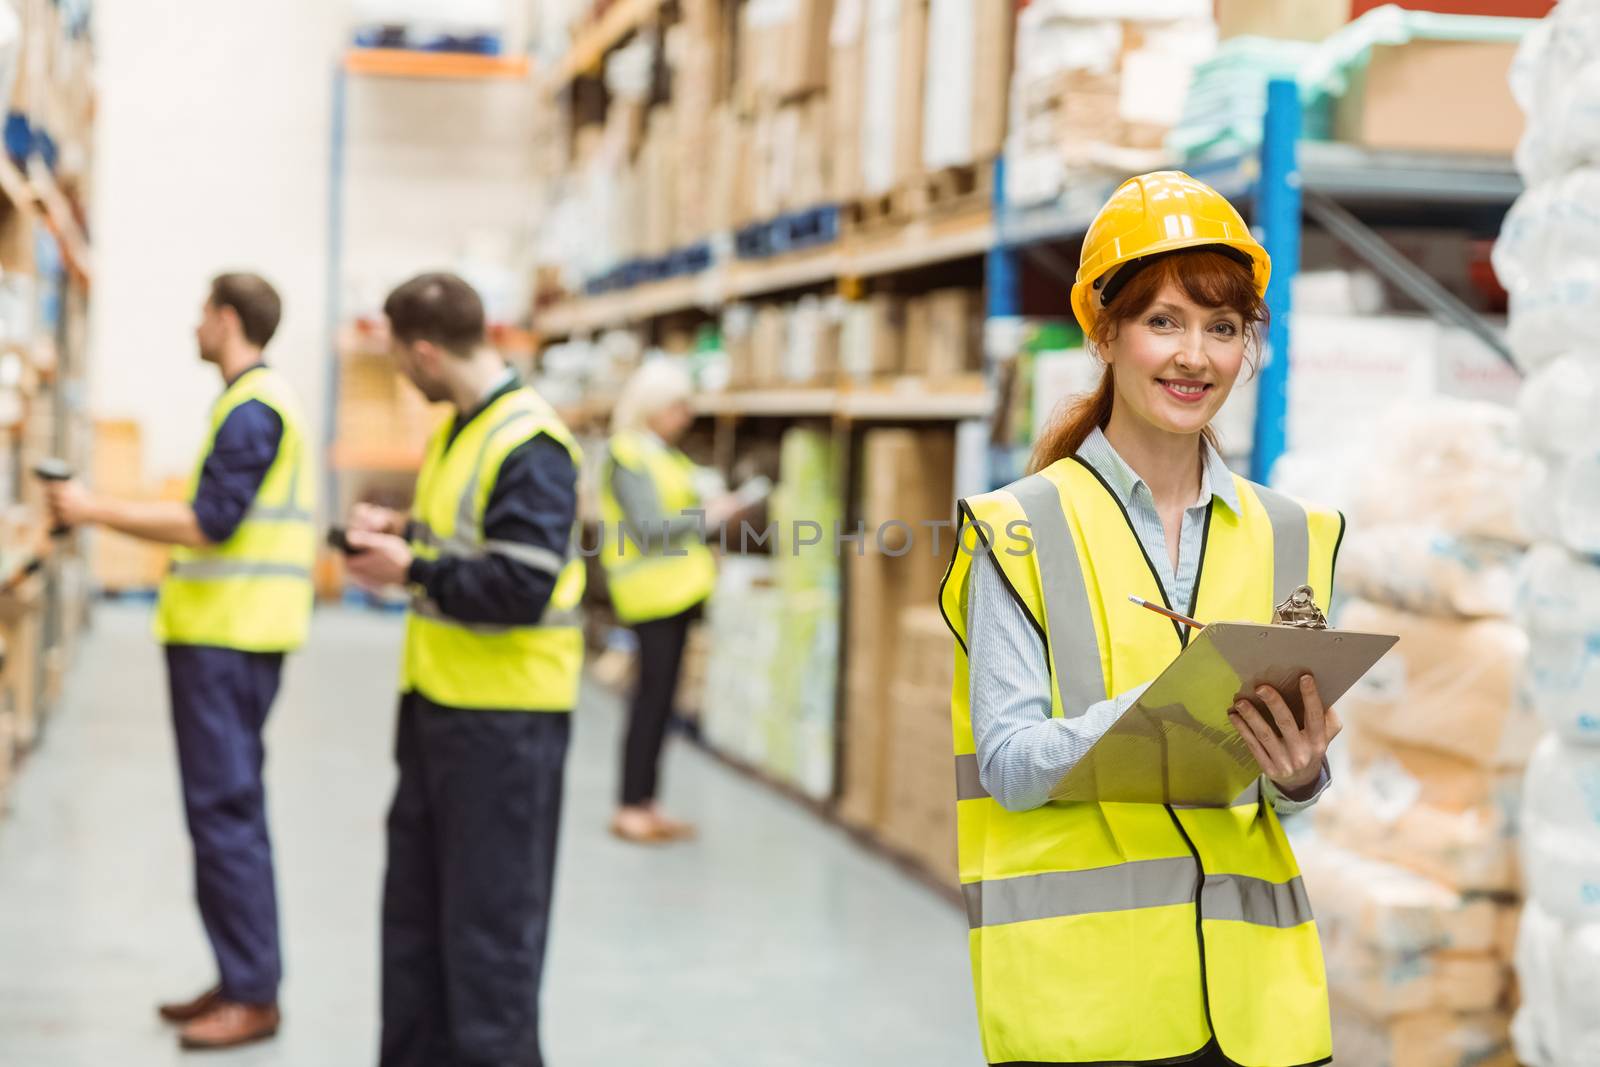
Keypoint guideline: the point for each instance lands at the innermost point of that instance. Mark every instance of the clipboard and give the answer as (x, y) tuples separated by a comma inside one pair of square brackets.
[(1176, 746)]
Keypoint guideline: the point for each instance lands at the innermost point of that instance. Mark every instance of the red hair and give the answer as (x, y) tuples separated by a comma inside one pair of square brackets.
[(1208, 277)]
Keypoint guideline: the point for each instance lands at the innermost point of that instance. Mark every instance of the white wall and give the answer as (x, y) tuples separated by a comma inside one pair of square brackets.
[(213, 146), (211, 153)]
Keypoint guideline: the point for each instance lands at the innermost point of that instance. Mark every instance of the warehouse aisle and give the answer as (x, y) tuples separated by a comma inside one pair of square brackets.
[(774, 941)]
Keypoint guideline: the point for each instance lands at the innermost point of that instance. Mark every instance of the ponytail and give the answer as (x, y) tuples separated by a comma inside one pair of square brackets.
[(1076, 418)]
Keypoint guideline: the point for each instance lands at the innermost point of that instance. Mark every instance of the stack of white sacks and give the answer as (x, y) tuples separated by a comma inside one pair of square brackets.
[(1549, 259), (1412, 868)]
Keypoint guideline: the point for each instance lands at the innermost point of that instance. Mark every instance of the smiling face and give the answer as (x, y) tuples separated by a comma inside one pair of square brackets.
[(1175, 362)]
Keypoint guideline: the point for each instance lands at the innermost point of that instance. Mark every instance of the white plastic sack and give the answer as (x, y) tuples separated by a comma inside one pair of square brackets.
[(1558, 603), (1560, 404), (1428, 571), (1559, 501), (1550, 226), (1558, 966), (1546, 320), (1555, 80), (1455, 464), (1561, 830)]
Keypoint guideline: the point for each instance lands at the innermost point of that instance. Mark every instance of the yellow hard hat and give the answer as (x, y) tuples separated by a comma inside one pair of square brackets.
[(1156, 213)]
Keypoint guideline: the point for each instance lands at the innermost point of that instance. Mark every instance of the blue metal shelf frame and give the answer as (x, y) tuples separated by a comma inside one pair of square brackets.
[(1279, 220), (336, 168)]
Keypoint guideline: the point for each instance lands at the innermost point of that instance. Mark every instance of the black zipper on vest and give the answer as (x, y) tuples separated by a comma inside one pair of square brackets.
[(1199, 930), (1179, 628), (1199, 569)]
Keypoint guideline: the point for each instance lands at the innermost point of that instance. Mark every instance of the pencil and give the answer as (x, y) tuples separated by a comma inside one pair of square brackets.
[(1173, 615)]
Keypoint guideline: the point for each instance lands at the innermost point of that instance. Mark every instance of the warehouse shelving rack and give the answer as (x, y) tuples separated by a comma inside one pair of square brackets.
[(349, 456), (1343, 188)]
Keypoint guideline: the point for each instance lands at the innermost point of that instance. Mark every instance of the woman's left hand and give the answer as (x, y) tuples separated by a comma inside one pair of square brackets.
[(1290, 755)]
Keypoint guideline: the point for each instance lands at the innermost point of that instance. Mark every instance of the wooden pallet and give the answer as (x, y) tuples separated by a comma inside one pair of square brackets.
[(936, 194)]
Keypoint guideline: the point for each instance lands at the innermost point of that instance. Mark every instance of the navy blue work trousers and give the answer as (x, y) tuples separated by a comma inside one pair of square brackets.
[(466, 897), (220, 701)]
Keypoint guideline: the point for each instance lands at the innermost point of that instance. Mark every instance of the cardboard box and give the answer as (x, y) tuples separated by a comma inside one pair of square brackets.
[(920, 820), (913, 54), (873, 339), (768, 340), (803, 66), (23, 672), (914, 360), (955, 333), (995, 22), (1443, 96), (845, 86), (905, 476), (1300, 20), (1521, 9)]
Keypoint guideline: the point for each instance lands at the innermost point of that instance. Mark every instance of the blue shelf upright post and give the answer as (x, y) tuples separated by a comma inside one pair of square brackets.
[(1278, 215), (336, 165), (1002, 270)]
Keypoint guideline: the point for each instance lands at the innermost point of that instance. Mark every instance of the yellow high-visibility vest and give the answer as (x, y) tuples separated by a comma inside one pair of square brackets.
[(648, 576), (253, 591), (534, 667), (1132, 933)]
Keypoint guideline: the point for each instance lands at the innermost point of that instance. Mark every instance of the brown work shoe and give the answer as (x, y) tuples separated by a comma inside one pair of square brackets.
[(191, 1010), (231, 1024)]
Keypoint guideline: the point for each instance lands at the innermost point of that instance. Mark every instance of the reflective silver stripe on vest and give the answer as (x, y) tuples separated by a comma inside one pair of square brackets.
[(1136, 884), (428, 608), (1291, 545), (290, 512), (287, 513), (969, 784), (540, 559), (214, 569), (1238, 898), (1078, 668), (466, 510)]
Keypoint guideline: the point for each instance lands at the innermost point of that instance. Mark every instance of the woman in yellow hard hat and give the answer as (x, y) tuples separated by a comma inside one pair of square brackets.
[(1136, 933)]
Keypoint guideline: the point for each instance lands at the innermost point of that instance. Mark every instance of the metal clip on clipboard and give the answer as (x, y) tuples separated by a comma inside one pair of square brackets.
[(1176, 746)]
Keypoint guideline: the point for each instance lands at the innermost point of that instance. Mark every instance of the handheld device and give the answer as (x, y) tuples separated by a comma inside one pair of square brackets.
[(339, 538)]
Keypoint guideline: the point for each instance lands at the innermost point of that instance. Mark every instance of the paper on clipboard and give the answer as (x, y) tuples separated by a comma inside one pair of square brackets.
[(1176, 746)]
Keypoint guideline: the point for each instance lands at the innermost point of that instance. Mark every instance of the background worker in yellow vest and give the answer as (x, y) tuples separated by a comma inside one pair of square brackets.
[(493, 652), (237, 597), (659, 571), (1136, 933)]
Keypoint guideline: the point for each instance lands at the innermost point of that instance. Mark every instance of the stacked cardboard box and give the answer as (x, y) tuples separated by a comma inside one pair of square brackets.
[(120, 563), (906, 488), (379, 410), (692, 675), (919, 818), (1437, 736), (1093, 98), (772, 671)]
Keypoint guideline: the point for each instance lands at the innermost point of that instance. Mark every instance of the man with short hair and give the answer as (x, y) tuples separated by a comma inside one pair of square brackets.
[(492, 656), (237, 597)]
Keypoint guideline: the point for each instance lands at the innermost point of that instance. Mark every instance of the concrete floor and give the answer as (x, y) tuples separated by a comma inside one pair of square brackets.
[(772, 941)]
